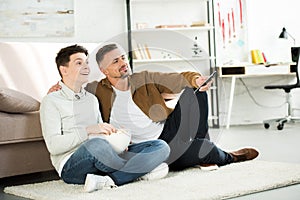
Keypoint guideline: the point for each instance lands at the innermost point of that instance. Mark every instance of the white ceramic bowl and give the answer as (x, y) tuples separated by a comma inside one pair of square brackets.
[(119, 140)]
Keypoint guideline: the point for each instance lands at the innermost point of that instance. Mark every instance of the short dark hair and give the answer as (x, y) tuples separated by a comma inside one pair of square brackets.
[(63, 56), (104, 50)]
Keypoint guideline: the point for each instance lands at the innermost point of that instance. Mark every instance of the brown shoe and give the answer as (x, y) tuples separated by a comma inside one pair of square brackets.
[(244, 154)]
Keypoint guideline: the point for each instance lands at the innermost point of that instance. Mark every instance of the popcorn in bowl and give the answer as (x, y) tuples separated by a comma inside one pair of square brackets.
[(119, 140)]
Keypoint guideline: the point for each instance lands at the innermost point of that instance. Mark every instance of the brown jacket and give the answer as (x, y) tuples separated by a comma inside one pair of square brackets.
[(146, 89)]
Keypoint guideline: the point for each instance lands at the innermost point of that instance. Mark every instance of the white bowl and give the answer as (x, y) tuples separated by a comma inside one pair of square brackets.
[(119, 140)]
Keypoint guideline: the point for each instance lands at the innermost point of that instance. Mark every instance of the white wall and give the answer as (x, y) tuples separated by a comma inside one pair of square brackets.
[(29, 66), (265, 21), (95, 21)]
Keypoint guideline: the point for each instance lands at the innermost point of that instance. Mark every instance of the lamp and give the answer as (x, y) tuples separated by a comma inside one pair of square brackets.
[(284, 34)]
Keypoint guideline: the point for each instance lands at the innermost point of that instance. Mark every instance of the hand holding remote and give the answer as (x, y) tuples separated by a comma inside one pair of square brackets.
[(206, 81)]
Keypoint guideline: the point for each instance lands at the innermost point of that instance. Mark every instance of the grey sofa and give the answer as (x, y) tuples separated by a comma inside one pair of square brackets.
[(22, 148)]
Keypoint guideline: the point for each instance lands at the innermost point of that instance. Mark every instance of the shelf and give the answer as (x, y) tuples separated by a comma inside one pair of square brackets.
[(164, 12), (200, 28), (211, 117), (171, 60), (151, 1)]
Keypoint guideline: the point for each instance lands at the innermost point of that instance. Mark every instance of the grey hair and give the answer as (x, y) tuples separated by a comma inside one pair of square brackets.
[(104, 50)]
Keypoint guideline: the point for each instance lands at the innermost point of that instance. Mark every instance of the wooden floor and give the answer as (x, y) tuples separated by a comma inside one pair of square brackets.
[(273, 145)]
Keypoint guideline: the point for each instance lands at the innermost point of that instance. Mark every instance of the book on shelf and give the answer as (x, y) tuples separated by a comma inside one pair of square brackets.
[(147, 51), (135, 51), (140, 51)]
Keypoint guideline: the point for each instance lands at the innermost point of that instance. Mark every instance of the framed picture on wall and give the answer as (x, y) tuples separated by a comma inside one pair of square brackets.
[(36, 18)]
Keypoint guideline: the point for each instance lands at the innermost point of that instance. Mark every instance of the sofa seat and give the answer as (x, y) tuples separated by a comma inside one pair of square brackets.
[(19, 127)]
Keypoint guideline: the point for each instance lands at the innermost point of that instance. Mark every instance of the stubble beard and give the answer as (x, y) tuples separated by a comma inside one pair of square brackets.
[(125, 74)]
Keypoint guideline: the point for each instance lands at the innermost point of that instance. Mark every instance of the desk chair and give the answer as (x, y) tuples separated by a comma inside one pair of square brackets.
[(287, 88)]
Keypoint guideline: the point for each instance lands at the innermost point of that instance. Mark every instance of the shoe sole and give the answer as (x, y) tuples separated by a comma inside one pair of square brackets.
[(208, 168)]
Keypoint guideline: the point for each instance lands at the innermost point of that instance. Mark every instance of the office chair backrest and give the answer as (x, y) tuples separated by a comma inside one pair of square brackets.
[(295, 51)]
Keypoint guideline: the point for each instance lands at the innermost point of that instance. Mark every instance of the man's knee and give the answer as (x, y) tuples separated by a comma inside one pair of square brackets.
[(97, 145), (162, 147), (165, 148)]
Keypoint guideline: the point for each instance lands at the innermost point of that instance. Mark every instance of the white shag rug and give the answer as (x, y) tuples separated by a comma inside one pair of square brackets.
[(228, 181)]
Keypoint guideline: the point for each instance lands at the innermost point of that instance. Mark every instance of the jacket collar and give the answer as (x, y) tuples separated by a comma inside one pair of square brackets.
[(105, 82)]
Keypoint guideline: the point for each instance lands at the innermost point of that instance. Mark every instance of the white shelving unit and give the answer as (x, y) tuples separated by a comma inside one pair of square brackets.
[(169, 60), (182, 48), (204, 28)]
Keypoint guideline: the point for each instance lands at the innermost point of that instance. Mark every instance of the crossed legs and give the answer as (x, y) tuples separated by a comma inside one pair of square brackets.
[(186, 132), (96, 156)]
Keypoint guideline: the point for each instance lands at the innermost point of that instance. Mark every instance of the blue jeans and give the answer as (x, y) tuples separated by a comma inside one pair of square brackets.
[(96, 156)]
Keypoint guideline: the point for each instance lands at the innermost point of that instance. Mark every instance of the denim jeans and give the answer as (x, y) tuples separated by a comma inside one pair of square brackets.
[(186, 132), (96, 156)]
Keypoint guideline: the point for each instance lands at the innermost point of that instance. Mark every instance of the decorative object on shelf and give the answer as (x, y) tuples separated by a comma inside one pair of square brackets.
[(166, 55), (171, 26), (196, 49), (141, 25), (284, 35)]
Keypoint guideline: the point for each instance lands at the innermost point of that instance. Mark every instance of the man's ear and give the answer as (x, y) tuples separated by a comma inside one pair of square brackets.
[(104, 71), (63, 70)]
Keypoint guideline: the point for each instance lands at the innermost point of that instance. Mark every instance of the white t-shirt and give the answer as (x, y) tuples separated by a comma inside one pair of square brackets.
[(127, 115)]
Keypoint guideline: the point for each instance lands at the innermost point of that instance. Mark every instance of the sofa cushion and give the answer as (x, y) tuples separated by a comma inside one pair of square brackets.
[(12, 101)]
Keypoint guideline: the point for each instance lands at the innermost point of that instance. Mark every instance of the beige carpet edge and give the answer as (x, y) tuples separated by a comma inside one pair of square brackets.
[(32, 191), (267, 188)]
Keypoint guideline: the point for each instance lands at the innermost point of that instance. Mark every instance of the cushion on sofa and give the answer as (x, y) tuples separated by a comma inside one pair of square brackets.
[(12, 101)]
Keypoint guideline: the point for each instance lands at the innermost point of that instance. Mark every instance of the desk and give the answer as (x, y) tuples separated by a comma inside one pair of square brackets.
[(249, 70)]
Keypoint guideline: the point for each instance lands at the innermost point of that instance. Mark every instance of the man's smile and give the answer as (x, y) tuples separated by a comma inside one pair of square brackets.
[(123, 69)]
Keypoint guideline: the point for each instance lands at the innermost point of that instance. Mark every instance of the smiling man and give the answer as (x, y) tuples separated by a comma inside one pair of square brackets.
[(71, 115), (136, 101)]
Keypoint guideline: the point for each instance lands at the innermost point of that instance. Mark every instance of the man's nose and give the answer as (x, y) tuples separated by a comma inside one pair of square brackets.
[(86, 66), (123, 61)]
